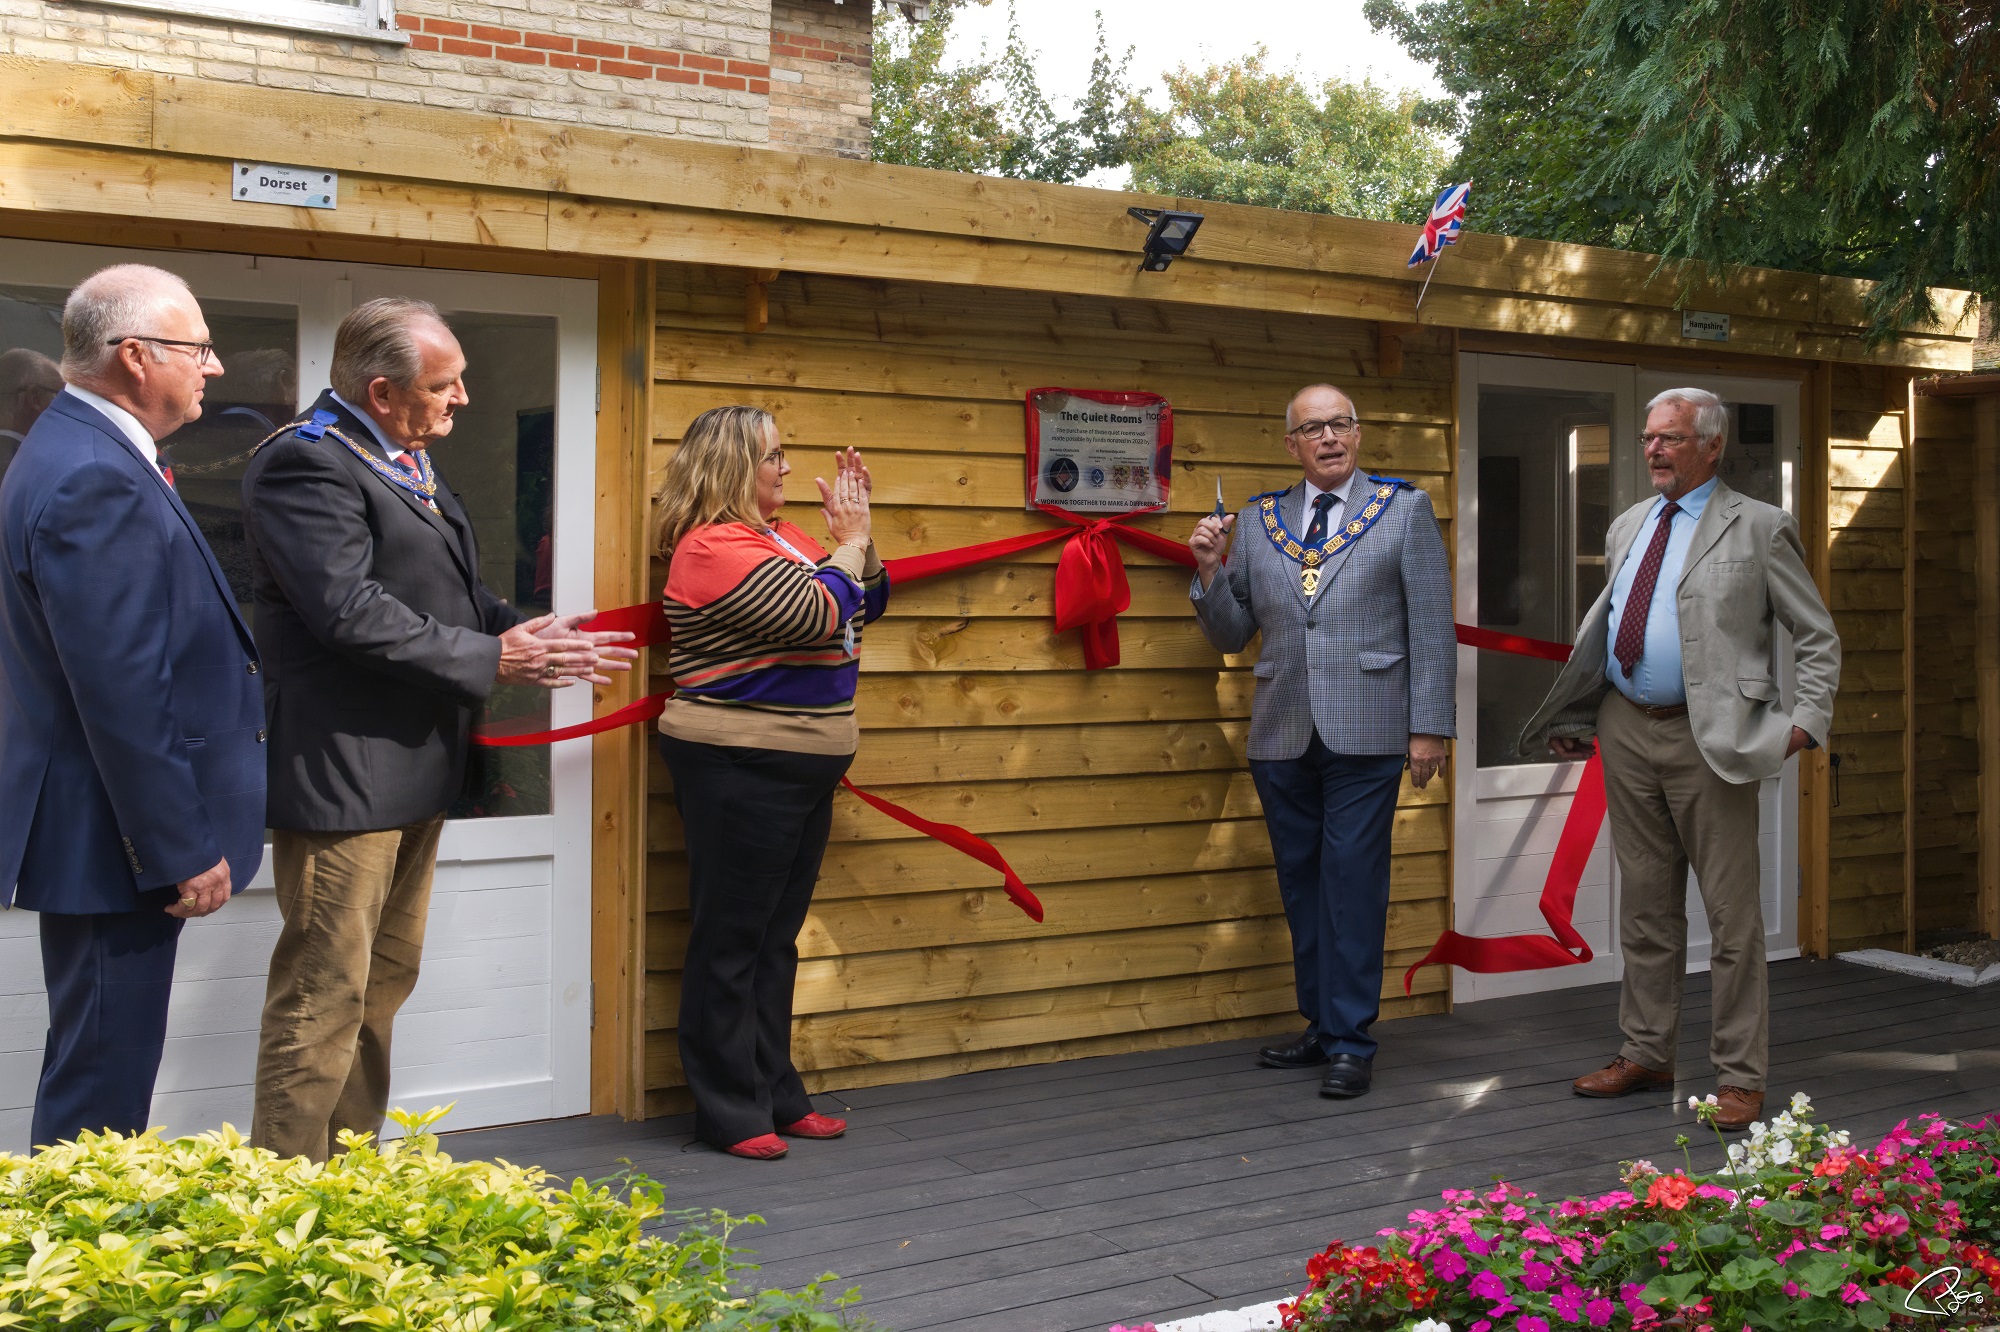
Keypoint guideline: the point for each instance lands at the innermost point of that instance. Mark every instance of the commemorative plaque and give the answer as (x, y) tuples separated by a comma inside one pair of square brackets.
[(1097, 453)]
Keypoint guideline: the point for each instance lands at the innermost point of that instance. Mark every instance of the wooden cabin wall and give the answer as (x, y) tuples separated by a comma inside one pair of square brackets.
[(1122, 795), (1946, 668), (1870, 547)]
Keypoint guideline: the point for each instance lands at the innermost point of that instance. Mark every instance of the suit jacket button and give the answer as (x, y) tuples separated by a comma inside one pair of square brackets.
[(260, 735), (253, 668)]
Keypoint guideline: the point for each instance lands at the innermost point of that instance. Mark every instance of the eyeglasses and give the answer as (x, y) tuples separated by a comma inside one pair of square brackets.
[(204, 352), (1647, 438), (775, 458), (1333, 425)]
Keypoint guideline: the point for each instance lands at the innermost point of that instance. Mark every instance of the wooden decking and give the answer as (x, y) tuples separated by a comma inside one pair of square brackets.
[(1156, 1185)]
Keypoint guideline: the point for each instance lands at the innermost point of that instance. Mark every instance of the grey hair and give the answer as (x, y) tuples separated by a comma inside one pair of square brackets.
[(375, 342), (1330, 388), (119, 301), (1711, 418)]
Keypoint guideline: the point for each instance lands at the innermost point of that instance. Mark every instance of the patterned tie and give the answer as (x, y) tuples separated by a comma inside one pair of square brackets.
[(407, 460), (1631, 643), (1316, 533), (167, 474)]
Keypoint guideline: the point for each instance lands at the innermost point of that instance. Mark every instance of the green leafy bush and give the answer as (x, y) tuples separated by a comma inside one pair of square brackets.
[(118, 1233)]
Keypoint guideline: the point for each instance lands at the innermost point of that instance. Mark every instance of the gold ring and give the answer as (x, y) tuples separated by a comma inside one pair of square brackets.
[(550, 672), (187, 901)]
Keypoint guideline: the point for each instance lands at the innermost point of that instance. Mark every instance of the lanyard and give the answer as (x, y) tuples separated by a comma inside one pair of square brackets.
[(847, 631)]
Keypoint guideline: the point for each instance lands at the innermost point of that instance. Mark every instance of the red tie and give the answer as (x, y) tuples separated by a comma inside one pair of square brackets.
[(407, 460), (1631, 643), (167, 474)]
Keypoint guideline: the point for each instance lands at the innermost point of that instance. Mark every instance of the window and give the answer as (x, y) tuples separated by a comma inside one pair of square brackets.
[(362, 20)]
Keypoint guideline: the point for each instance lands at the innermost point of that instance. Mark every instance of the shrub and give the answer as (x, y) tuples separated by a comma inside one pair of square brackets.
[(117, 1233), (1799, 1231)]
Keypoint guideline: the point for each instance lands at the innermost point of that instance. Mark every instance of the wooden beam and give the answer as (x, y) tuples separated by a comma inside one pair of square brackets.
[(1909, 461), (1389, 335), (618, 758), (1815, 774), (757, 299), (1986, 636)]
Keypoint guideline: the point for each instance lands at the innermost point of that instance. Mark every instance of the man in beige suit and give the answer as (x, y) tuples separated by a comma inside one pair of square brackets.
[(1674, 673)]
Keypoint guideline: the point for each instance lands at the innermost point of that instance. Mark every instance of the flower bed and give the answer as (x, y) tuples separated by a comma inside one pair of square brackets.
[(118, 1233), (1799, 1231)]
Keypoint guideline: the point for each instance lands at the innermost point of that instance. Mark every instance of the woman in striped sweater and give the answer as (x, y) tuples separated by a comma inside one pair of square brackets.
[(765, 657)]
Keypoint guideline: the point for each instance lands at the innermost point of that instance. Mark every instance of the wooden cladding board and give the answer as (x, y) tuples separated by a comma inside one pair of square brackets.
[(1869, 553), (1947, 679), (1120, 795)]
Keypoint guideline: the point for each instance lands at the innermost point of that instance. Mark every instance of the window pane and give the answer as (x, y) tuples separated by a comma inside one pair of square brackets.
[(257, 392), (31, 336), (1544, 503), (500, 458)]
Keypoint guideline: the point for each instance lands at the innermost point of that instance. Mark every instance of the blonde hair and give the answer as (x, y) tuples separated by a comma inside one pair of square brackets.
[(712, 477)]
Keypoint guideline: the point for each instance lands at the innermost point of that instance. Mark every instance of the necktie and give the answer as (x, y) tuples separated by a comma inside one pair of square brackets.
[(1316, 532), (167, 474), (408, 462), (1631, 643)]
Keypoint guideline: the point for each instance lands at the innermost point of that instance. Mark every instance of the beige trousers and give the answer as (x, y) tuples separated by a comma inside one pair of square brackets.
[(354, 906), (1668, 810)]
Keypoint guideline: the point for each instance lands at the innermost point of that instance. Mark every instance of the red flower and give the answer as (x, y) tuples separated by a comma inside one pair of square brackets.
[(1672, 1191)]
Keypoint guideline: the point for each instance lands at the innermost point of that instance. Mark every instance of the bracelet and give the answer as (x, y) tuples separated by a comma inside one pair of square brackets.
[(863, 544)]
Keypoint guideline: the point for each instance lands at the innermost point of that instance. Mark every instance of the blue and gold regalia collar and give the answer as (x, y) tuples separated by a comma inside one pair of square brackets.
[(1310, 558), (322, 422)]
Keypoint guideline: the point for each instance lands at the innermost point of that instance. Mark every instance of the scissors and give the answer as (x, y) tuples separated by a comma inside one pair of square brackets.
[(1221, 509)]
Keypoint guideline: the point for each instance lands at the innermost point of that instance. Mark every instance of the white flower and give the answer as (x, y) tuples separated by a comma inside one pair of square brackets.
[(1781, 1151), (1694, 1102), (1736, 1151), (1758, 1130), (1801, 1103), (1432, 1325), (1838, 1138), (1784, 1123)]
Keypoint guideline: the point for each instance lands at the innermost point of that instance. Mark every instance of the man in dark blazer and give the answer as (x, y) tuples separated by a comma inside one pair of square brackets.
[(382, 643), (1345, 577), (131, 740)]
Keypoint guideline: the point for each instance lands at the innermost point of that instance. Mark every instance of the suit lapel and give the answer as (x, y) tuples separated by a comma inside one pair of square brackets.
[(1716, 516), (1288, 503), (79, 410), (358, 431)]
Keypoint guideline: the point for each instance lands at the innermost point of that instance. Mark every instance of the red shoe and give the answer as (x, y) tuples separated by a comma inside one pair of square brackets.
[(763, 1147), (815, 1125)]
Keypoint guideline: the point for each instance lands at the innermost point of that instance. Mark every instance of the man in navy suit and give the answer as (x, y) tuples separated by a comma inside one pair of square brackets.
[(131, 709)]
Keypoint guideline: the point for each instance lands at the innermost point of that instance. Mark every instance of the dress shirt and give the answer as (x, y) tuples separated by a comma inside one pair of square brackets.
[(1656, 680), (389, 447), (142, 439)]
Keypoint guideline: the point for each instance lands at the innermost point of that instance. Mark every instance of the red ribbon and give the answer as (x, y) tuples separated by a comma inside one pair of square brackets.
[(1531, 952), (958, 839), (1091, 588)]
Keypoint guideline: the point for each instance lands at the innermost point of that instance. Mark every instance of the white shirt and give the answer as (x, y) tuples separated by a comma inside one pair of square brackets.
[(388, 447), (1337, 513), (142, 439)]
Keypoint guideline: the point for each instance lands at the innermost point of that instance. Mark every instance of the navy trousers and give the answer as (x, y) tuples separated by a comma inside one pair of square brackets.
[(109, 977), (1330, 817)]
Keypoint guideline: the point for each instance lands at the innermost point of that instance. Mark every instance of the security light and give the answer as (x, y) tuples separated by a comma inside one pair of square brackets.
[(1167, 240)]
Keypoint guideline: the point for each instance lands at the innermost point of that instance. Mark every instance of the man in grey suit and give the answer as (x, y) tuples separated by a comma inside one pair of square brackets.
[(1675, 674), (381, 642), (1345, 576)]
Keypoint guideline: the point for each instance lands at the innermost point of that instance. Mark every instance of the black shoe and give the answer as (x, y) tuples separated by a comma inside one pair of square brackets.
[(1305, 1052), (1347, 1075)]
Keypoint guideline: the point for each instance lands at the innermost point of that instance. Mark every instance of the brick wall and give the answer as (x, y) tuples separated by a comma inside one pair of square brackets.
[(684, 68), (820, 96)]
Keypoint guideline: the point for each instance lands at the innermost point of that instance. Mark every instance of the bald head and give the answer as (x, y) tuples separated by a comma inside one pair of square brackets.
[(1323, 432), (29, 382)]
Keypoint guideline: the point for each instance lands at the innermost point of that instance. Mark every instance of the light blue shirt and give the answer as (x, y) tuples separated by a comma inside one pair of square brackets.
[(1656, 679)]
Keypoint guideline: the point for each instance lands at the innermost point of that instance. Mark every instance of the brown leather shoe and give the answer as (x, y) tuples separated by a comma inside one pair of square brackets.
[(1737, 1108), (1621, 1077)]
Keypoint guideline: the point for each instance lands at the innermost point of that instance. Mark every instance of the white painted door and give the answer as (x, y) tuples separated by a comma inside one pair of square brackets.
[(1547, 458), (499, 1022)]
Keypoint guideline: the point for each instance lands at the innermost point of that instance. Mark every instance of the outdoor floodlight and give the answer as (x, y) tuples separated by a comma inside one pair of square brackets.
[(1169, 237)]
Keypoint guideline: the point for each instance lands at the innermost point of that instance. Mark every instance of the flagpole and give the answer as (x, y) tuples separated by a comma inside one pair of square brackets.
[(1436, 259)]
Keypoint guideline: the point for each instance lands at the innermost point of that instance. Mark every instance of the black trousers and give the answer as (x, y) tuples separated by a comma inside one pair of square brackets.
[(757, 822), (1331, 818), (109, 977)]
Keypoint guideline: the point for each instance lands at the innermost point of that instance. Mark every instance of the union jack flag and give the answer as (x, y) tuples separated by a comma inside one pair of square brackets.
[(1447, 215)]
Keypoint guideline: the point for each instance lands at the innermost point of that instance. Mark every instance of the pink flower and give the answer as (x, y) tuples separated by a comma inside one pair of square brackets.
[(1488, 1286), (1447, 1265), (1568, 1302), (1832, 1231), (1532, 1323), (1571, 1248), (1598, 1312), (1853, 1294), (1536, 1275), (1513, 1212), (1538, 1234), (1457, 1195), (1481, 1326), (1478, 1245), (1793, 1291)]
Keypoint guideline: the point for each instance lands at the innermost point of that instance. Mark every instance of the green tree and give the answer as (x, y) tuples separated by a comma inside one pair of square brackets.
[(1856, 137), (989, 116), (1242, 133), (1529, 125), (1847, 136)]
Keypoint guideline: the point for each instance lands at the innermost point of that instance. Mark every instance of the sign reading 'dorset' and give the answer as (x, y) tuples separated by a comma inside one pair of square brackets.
[(301, 187)]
